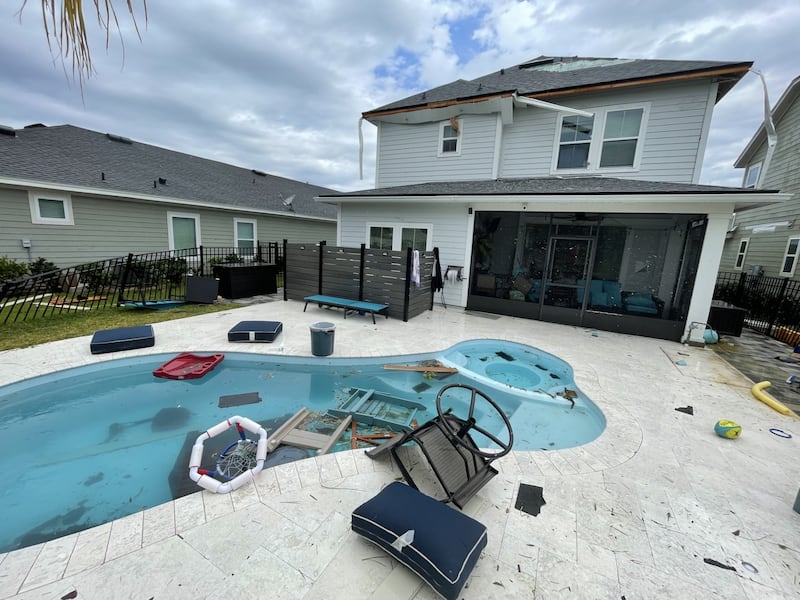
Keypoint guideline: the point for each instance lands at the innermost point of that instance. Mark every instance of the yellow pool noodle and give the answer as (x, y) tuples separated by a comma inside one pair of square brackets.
[(758, 392)]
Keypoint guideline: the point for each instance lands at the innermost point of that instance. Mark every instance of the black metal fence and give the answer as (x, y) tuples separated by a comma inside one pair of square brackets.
[(772, 303), (138, 278)]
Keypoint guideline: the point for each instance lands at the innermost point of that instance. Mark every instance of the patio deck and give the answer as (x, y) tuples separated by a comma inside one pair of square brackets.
[(632, 514)]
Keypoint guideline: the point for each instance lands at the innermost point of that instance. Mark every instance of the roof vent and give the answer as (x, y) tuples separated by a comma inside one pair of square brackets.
[(118, 138), (162, 180), (260, 173), (9, 131), (35, 125)]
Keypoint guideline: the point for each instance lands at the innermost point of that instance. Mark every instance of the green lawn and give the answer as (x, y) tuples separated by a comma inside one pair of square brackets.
[(61, 326)]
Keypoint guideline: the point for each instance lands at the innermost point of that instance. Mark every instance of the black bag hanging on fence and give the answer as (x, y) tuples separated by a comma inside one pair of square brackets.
[(437, 283)]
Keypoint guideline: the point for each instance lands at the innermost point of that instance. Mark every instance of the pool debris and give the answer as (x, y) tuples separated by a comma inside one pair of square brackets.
[(689, 410), (92, 479), (239, 399), (166, 419), (570, 395), (505, 355)]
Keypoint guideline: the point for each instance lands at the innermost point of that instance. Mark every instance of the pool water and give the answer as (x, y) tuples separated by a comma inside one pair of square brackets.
[(85, 446)]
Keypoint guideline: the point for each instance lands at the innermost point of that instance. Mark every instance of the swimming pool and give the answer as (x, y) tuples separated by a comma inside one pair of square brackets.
[(88, 445)]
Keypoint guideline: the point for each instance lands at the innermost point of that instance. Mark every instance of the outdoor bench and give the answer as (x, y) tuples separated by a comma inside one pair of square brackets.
[(349, 306)]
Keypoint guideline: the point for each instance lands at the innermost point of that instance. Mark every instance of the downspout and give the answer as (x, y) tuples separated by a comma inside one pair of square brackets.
[(769, 128)]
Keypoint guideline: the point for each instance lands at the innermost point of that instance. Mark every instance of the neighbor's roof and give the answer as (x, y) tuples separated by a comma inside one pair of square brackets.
[(548, 76), (782, 106), (102, 163), (543, 186)]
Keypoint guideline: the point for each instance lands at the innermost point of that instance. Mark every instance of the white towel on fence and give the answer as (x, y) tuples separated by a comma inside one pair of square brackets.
[(415, 267)]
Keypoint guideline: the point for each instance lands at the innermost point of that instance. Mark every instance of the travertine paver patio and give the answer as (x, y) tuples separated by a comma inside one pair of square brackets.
[(632, 514)]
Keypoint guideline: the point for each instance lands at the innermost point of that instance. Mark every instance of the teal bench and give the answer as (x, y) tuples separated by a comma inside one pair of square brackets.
[(349, 306)]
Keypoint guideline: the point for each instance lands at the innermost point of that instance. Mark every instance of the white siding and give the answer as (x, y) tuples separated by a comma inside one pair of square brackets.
[(450, 226), (672, 140), (672, 134), (408, 153)]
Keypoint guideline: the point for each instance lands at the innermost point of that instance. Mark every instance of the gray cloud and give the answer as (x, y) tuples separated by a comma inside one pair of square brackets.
[(280, 86)]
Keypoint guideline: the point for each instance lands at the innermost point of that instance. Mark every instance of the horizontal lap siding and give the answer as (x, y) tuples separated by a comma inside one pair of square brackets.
[(767, 249), (671, 142), (108, 228), (409, 153)]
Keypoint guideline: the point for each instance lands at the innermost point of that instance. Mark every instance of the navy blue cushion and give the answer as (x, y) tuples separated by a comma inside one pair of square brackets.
[(255, 331), (446, 543), (122, 338)]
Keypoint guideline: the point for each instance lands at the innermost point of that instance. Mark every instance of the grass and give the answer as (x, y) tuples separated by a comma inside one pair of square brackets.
[(62, 326)]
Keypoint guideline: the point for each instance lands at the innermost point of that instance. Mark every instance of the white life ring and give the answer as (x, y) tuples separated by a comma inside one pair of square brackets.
[(205, 479)]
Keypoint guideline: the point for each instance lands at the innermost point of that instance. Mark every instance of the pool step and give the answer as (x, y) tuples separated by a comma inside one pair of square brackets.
[(290, 434)]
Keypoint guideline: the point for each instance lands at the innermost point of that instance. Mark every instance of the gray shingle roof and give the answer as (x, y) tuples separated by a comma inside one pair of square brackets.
[(542, 186), (547, 74), (73, 156)]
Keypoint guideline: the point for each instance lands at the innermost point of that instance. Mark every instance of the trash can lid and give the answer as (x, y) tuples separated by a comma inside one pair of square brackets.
[(324, 326)]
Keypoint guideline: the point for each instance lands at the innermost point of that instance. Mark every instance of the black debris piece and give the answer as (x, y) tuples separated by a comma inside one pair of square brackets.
[(239, 399), (530, 499), (716, 563), (689, 410)]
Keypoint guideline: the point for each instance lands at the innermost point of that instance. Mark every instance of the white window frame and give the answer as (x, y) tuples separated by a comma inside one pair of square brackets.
[(795, 256), (252, 222), (442, 138), (746, 183), (36, 215), (397, 233), (597, 139), (741, 254), (171, 215)]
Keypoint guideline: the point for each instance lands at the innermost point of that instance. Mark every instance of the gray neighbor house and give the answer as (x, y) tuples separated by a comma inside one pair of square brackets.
[(766, 240), (71, 195), (563, 189)]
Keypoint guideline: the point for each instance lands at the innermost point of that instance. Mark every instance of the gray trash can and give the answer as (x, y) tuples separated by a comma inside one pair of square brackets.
[(322, 338)]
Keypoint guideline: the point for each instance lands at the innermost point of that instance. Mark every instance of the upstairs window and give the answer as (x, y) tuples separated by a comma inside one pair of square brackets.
[(751, 176), (450, 138), (790, 257), (621, 137), (51, 209), (582, 147), (741, 253), (576, 139)]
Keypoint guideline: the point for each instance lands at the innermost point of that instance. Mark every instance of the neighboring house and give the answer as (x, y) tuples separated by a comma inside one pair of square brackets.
[(767, 240), (562, 189), (72, 195)]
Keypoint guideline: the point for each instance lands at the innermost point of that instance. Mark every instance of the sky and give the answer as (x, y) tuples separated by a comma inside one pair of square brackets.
[(280, 86)]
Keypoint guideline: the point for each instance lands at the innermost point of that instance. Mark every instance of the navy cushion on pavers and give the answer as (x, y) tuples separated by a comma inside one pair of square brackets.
[(255, 331), (123, 338), (446, 543)]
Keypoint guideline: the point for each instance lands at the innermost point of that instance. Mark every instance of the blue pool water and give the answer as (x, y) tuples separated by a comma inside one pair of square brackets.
[(88, 445)]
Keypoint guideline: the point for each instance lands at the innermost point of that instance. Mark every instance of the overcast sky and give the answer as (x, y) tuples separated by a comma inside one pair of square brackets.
[(279, 86)]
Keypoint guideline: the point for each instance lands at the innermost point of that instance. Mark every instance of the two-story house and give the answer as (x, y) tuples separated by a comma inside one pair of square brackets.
[(73, 195), (561, 189), (767, 240)]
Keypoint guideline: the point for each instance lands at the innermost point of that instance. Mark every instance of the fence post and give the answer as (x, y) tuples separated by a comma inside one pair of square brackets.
[(361, 273), (740, 288), (124, 279), (319, 269), (777, 306), (285, 269), (407, 284), (258, 251), (202, 265)]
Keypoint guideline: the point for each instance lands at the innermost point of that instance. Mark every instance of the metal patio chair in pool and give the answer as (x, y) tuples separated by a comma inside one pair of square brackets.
[(447, 443)]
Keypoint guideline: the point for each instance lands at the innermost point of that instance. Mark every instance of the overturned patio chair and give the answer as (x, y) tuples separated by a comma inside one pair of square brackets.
[(461, 467)]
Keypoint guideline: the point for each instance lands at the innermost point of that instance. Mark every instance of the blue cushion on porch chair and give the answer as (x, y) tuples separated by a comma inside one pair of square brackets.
[(437, 542)]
